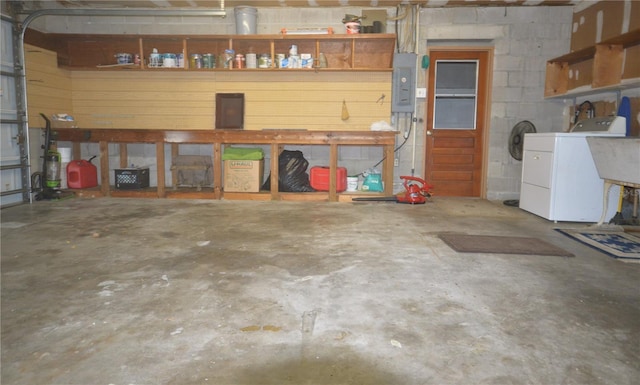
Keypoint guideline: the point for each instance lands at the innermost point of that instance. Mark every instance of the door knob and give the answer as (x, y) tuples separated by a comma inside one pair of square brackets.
[(429, 132)]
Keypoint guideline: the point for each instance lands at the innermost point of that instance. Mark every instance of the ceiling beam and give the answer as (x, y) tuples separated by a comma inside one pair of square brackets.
[(204, 4)]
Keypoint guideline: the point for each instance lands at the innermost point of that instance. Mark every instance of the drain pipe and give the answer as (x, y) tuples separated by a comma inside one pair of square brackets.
[(219, 12)]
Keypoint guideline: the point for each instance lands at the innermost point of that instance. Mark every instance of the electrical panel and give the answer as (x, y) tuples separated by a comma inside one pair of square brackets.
[(404, 82)]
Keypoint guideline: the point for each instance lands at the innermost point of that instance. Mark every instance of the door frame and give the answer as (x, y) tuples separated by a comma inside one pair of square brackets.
[(489, 50)]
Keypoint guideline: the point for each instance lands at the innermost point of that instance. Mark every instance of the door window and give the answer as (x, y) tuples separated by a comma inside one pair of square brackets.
[(456, 94)]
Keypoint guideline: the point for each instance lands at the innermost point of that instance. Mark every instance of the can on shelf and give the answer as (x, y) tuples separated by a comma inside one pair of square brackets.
[(195, 60), (240, 61), (228, 58), (264, 61), (251, 60), (208, 60)]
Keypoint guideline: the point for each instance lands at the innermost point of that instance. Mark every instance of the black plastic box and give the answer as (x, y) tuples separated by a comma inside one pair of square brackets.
[(132, 178)]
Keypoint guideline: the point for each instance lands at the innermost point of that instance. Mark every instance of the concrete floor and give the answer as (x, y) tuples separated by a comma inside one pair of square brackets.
[(125, 291)]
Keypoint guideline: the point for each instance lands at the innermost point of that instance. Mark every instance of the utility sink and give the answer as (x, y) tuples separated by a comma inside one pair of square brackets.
[(617, 160)]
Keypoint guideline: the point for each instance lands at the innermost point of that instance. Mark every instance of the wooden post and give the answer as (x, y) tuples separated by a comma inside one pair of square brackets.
[(275, 155), (161, 169), (217, 170), (333, 165), (77, 152), (124, 155), (175, 151), (387, 170), (104, 168)]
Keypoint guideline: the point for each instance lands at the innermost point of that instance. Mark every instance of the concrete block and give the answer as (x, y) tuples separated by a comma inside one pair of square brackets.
[(538, 63), (498, 110), (437, 16), (552, 48), (515, 79), (550, 31), (527, 14), (443, 32), (507, 94), (474, 32), (525, 48), (533, 78), (492, 15), (532, 94), (501, 47), (349, 152), (466, 15), (508, 63), (528, 111)]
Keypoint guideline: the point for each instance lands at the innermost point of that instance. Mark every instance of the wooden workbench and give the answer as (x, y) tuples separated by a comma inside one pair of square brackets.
[(277, 139)]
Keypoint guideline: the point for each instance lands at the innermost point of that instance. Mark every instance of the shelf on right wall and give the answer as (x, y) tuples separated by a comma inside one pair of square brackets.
[(605, 52)]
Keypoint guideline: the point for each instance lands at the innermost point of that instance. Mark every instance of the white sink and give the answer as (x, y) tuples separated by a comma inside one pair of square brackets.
[(617, 158)]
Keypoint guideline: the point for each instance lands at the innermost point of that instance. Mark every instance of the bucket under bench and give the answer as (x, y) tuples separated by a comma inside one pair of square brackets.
[(276, 139)]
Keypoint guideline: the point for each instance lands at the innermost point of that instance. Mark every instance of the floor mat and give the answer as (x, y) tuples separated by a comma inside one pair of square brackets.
[(617, 244), (501, 245)]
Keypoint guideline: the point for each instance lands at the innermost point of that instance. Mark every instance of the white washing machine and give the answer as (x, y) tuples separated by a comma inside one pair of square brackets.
[(560, 181)]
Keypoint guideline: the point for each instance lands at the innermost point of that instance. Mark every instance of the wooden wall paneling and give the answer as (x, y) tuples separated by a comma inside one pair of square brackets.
[(48, 87), (186, 100)]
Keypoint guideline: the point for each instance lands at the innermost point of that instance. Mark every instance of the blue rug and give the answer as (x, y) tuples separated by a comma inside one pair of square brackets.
[(622, 246)]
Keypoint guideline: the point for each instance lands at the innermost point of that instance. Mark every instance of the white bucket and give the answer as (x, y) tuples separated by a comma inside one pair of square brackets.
[(352, 183), (65, 154), (246, 20)]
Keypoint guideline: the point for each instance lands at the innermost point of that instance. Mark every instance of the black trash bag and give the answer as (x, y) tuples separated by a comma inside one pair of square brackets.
[(292, 173)]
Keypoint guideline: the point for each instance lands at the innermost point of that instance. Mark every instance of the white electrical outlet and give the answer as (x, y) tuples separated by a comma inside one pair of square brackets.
[(395, 162), (421, 92)]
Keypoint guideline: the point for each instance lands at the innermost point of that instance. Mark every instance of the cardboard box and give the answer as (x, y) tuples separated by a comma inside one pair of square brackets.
[(243, 175), (601, 21)]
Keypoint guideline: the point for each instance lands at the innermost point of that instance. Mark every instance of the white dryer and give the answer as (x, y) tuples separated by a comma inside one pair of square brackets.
[(560, 181)]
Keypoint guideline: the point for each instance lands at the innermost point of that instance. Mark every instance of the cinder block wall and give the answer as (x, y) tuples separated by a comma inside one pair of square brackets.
[(524, 38)]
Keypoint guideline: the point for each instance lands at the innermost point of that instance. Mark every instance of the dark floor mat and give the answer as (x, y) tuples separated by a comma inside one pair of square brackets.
[(491, 244)]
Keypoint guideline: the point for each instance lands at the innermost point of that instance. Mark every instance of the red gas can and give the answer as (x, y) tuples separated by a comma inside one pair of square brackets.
[(81, 174), (320, 178)]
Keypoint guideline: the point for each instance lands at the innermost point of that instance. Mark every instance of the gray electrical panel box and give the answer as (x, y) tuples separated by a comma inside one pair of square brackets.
[(404, 82)]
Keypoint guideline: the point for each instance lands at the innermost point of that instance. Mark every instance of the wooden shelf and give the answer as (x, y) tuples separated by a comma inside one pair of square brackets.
[(359, 52), (277, 139), (609, 65)]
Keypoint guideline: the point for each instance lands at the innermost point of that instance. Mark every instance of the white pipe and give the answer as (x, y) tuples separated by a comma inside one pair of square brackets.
[(415, 118)]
